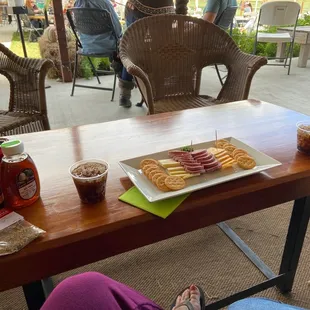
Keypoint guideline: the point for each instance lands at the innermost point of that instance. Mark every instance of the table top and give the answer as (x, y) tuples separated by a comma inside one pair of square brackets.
[(79, 234), (37, 16), (298, 29)]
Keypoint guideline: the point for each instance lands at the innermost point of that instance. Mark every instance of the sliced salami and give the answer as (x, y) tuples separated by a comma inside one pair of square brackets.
[(199, 153), (217, 167), (194, 170), (211, 165), (206, 156), (177, 152), (193, 165), (205, 162)]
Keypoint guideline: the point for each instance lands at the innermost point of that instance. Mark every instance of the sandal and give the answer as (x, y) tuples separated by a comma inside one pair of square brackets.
[(187, 302)]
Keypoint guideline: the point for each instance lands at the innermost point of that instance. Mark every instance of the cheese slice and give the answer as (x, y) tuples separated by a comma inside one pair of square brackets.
[(220, 154), (186, 175), (214, 150), (189, 175), (229, 160), (228, 164), (167, 163), (177, 172), (180, 168), (224, 158), (181, 175)]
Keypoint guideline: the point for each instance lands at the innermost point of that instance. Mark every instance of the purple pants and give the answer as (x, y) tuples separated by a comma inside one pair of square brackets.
[(94, 291)]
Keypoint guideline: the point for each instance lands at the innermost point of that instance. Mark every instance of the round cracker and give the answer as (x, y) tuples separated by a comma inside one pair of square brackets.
[(246, 162), (239, 151), (229, 148), (148, 170), (175, 183), (153, 172), (160, 183), (156, 176), (148, 161), (221, 143), (147, 167)]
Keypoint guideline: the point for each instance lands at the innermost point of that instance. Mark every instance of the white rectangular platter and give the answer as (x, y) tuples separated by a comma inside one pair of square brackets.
[(152, 193)]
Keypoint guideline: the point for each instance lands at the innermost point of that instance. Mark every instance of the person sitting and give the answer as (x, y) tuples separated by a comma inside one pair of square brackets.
[(101, 44), (135, 10), (32, 10), (95, 291), (214, 9), (247, 9)]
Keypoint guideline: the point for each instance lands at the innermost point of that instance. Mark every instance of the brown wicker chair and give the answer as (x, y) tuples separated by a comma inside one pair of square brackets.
[(27, 106), (166, 54)]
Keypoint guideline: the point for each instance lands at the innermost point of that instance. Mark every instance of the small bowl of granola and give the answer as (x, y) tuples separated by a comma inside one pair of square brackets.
[(303, 137)]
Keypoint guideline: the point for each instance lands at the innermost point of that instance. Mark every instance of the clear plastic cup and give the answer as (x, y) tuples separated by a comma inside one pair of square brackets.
[(91, 189), (303, 136)]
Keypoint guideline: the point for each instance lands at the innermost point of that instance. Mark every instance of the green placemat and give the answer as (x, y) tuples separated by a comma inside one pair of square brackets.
[(161, 208)]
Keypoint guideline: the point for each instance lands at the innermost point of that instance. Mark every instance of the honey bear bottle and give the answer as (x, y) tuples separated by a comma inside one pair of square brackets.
[(19, 176)]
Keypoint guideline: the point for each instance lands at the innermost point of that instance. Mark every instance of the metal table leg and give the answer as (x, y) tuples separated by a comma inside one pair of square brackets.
[(292, 250), (37, 292), (294, 242)]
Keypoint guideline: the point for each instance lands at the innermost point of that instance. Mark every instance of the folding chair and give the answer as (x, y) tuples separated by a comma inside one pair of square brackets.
[(278, 13), (91, 21), (34, 32), (225, 21)]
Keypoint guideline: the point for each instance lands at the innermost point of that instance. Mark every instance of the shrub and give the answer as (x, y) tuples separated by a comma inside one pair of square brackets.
[(99, 64)]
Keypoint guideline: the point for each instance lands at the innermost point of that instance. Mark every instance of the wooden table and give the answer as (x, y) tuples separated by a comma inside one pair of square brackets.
[(80, 234), (302, 36)]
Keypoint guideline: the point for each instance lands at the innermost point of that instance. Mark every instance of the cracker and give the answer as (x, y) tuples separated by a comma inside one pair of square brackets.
[(149, 169), (230, 148), (175, 183), (148, 161), (148, 166), (156, 176), (160, 183), (246, 162), (153, 172), (221, 143), (239, 151)]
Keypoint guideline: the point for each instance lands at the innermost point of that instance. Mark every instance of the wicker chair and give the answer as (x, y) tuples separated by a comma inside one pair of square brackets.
[(166, 54), (27, 106)]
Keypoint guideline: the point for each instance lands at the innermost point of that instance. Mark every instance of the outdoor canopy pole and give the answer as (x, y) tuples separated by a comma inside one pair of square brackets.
[(62, 41)]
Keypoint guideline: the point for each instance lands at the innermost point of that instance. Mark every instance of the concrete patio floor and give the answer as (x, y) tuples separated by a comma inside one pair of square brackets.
[(88, 106)]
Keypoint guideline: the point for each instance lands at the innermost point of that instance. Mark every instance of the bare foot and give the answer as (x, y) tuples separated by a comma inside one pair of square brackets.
[(193, 295)]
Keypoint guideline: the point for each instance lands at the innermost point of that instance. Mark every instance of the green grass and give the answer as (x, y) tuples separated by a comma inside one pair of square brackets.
[(32, 48)]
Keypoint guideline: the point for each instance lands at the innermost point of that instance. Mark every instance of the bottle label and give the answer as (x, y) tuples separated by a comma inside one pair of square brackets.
[(26, 184)]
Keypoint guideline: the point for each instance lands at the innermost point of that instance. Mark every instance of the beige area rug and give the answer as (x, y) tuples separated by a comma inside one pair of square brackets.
[(205, 257)]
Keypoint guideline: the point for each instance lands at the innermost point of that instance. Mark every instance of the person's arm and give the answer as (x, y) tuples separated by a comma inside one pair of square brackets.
[(36, 10), (211, 10)]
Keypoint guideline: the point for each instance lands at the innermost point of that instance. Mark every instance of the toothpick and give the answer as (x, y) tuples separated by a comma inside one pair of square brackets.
[(215, 137)]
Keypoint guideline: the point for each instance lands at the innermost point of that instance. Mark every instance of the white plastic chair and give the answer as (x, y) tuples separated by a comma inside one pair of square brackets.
[(278, 13)]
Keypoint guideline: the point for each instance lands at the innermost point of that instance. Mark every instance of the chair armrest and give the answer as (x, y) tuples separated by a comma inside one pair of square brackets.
[(142, 81), (241, 69), (25, 63)]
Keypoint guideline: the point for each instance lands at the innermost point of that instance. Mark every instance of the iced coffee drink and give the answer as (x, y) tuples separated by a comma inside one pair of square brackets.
[(90, 177)]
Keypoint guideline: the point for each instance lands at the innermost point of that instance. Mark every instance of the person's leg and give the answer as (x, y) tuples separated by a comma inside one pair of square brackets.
[(94, 291), (190, 299), (126, 83), (255, 303)]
